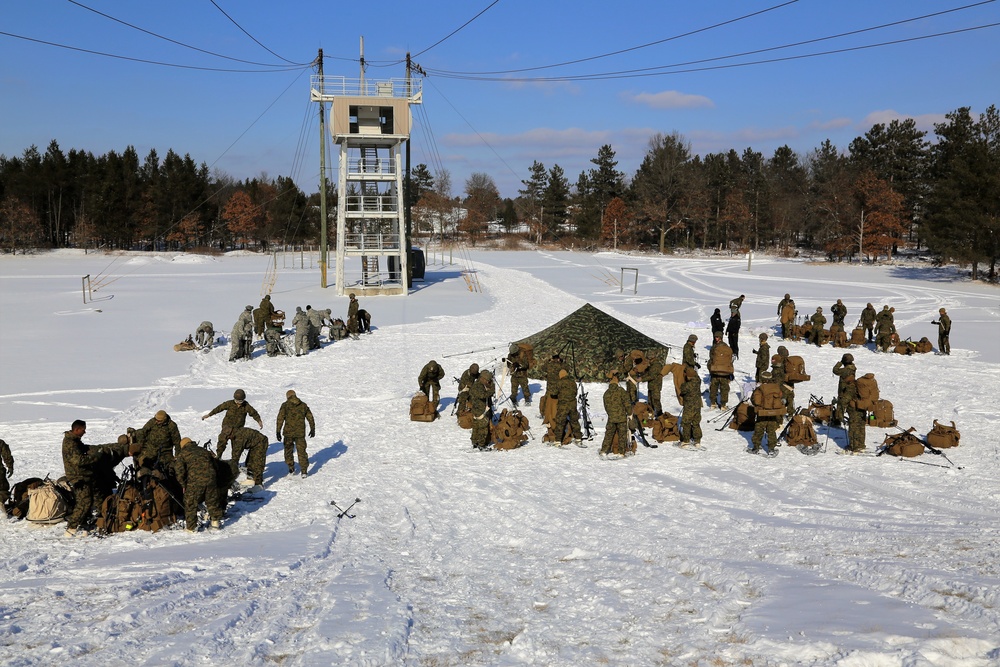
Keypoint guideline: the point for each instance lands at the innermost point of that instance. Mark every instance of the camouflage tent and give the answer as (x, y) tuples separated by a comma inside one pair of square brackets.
[(587, 339)]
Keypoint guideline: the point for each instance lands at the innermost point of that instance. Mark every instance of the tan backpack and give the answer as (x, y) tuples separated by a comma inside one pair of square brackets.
[(943, 437), (903, 444), (867, 392), (721, 360), (858, 336), (882, 415), (666, 428), (820, 413), (643, 412), (795, 370), (744, 417), (47, 503), (801, 432), (422, 409), (767, 400), (510, 431), (527, 353), (840, 339)]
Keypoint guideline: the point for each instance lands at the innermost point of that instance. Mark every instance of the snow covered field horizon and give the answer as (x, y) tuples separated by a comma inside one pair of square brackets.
[(536, 556)]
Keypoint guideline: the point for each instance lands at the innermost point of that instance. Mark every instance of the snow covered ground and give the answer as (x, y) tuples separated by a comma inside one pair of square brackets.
[(539, 556)]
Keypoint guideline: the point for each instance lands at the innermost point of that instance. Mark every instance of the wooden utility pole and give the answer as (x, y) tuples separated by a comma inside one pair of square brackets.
[(322, 177)]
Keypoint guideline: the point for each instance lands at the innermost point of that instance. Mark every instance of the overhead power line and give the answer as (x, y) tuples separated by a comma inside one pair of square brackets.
[(168, 39), (257, 41), (645, 72), (154, 62), (449, 35)]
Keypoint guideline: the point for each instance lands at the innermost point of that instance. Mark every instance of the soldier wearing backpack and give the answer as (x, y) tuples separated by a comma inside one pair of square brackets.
[(653, 376), (885, 326), (6, 471), (786, 315), (720, 368), (618, 408), (778, 375), (768, 407), (481, 400), (566, 410), (196, 473)]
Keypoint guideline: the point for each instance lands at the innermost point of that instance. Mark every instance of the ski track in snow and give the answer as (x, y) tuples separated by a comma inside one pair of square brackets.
[(540, 555)]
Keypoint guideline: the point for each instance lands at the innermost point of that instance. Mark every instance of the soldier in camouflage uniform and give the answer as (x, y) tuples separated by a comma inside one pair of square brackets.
[(316, 319), (517, 363), (718, 386), (885, 326), (352, 316), (843, 369), (465, 383), (566, 412), (293, 416), (943, 323), (618, 407), (237, 411), (79, 461), (765, 425), (868, 316), (481, 400), (691, 413), (430, 380), (763, 357), (654, 383), (262, 315), (205, 334), (241, 337), (301, 324), (778, 375), (255, 444), (856, 418), (689, 355), (196, 473), (818, 321), (6, 471), (839, 312), (161, 441)]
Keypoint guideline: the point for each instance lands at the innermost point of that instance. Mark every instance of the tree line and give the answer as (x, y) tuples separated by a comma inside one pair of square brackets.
[(893, 187), (115, 201)]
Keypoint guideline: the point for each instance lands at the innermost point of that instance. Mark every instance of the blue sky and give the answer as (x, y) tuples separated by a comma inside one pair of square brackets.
[(260, 121)]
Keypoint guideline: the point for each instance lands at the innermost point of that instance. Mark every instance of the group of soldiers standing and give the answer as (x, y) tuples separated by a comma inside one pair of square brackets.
[(268, 323), (195, 473)]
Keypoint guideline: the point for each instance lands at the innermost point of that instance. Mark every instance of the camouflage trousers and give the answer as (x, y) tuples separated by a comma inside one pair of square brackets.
[(195, 492), (944, 345), (83, 499), (256, 456), (481, 432), (301, 341), (295, 444), (613, 429), (519, 381), (718, 391), (856, 422), (572, 416), (789, 396), (4, 487), (691, 423), (220, 445), (765, 426), (653, 390)]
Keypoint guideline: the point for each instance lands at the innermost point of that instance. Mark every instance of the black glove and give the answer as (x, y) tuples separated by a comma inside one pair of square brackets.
[(312, 433), (277, 435), (697, 365), (10, 473)]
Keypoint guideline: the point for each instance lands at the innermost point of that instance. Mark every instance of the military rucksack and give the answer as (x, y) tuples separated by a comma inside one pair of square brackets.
[(882, 415), (923, 346), (526, 351), (820, 413), (721, 360), (800, 431), (943, 437), (795, 370), (903, 444), (48, 503), (510, 431), (744, 417), (767, 400), (17, 504), (666, 428), (867, 392), (858, 336), (643, 412), (422, 409), (839, 338)]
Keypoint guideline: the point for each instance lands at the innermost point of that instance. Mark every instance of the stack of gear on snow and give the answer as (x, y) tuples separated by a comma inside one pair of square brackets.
[(666, 428), (423, 409), (147, 502), (186, 345), (795, 370), (510, 431), (943, 437), (800, 431), (744, 416), (820, 412), (923, 346), (904, 444), (49, 502)]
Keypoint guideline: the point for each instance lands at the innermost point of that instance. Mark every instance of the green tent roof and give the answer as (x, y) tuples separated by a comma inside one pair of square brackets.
[(586, 339)]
